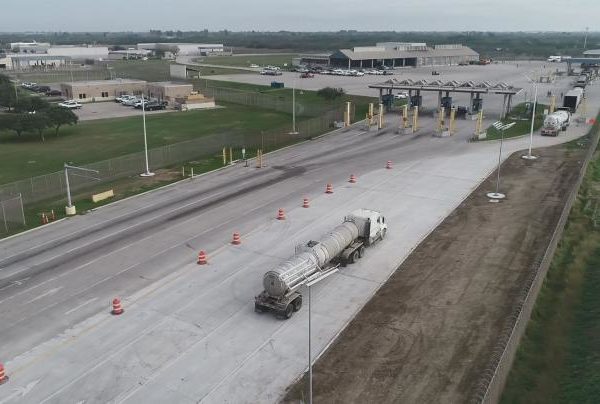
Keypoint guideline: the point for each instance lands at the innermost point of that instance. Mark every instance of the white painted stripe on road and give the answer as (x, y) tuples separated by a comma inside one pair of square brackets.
[(81, 305), (48, 293)]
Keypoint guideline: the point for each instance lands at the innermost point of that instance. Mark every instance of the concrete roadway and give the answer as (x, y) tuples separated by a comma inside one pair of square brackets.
[(189, 332)]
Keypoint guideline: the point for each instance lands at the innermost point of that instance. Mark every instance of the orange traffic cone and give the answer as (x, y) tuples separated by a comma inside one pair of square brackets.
[(44, 218), (52, 215), (305, 203), (3, 377), (388, 165), (280, 214), (352, 179), (117, 309), (202, 258), (236, 239), (329, 189)]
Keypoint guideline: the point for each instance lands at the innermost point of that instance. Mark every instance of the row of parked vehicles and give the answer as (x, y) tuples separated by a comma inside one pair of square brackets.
[(40, 89), (345, 72), (139, 102)]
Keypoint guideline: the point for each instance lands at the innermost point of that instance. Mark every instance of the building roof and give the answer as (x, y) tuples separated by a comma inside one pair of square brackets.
[(169, 84), (453, 85), (400, 54), (114, 82), (592, 52), (35, 56)]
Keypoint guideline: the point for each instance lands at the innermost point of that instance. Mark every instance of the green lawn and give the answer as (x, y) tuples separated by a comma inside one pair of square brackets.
[(275, 59), (97, 140), (558, 360), (522, 123), (309, 98)]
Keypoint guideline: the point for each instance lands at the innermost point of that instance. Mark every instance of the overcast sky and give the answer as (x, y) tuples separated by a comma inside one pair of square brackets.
[(299, 15)]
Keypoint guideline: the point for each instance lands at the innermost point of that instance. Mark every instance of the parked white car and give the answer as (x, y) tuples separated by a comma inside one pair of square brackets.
[(71, 104), (124, 97)]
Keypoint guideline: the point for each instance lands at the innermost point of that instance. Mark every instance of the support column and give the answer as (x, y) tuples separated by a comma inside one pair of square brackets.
[(393, 62), (503, 114), (509, 105), (372, 63), (403, 62), (471, 104), (380, 94), (349, 62), (439, 104)]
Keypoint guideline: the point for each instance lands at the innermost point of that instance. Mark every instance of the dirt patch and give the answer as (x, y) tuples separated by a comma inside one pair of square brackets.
[(429, 332)]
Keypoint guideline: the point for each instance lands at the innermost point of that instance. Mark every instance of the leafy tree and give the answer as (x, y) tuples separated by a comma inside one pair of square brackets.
[(37, 122), (330, 93), (58, 117), (7, 93), (31, 104)]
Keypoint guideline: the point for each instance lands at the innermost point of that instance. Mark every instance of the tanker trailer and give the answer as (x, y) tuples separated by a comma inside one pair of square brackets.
[(316, 260), (556, 122)]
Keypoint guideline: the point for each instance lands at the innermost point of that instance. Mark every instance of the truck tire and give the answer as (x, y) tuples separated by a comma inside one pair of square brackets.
[(355, 256), (297, 303), (258, 308), (361, 252), (382, 236), (289, 311)]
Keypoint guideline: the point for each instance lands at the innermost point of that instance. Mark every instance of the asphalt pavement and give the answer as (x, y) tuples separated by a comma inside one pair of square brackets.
[(189, 332)]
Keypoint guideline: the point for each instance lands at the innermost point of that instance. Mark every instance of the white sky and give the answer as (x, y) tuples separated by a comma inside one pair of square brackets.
[(299, 15)]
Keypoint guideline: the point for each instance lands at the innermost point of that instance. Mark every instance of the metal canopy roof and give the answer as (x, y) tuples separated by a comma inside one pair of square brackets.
[(453, 85)]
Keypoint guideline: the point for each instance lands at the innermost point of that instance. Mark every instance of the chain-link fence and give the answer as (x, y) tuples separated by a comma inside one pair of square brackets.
[(12, 216), (49, 186)]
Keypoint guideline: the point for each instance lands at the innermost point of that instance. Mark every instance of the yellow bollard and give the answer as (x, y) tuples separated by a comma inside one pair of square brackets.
[(347, 116), (183, 171), (552, 104), (452, 120), (405, 115), (370, 113), (441, 117), (230, 155), (380, 116), (415, 119), (224, 157)]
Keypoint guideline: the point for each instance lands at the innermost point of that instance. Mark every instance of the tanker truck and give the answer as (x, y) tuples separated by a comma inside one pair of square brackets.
[(556, 122), (316, 260)]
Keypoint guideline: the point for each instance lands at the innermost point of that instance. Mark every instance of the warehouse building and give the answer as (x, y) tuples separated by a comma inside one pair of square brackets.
[(168, 91), (401, 54), (79, 52), (102, 90), (186, 49), (32, 61)]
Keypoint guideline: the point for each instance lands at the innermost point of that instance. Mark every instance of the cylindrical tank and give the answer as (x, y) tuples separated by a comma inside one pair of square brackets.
[(294, 272), (556, 119)]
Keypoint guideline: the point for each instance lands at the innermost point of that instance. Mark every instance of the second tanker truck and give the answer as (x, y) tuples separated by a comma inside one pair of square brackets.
[(317, 260)]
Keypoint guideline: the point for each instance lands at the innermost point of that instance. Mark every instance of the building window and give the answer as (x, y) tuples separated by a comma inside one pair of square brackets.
[(104, 94), (82, 96)]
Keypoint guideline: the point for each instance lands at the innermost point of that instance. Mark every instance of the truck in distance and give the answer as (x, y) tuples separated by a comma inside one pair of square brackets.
[(317, 260), (572, 99)]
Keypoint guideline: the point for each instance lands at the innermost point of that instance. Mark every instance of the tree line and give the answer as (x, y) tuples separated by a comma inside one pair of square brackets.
[(23, 113)]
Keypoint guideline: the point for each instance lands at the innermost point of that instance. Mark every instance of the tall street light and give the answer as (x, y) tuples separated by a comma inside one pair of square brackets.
[(294, 131), (147, 173), (496, 196), (530, 156)]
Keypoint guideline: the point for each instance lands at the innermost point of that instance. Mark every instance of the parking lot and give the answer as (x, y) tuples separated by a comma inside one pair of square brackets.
[(102, 110), (513, 73)]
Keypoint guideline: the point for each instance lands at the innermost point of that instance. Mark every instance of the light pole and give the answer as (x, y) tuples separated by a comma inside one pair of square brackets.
[(496, 196), (294, 131), (147, 173), (530, 156), (70, 208)]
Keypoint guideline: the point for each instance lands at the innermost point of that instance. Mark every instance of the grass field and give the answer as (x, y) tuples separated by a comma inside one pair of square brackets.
[(522, 124), (558, 360), (304, 97), (275, 59), (96, 140)]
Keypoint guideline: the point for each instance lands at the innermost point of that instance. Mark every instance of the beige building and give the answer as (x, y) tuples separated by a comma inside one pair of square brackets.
[(168, 91), (102, 90)]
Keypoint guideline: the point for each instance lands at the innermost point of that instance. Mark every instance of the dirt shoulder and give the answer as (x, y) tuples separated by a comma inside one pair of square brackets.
[(429, 332)]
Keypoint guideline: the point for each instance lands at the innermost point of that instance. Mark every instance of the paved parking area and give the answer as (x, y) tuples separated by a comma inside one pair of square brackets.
[(512, 73), (102, 110)]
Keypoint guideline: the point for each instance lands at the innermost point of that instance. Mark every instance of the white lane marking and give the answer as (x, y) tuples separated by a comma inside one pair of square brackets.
[(48, 293), (20, 392), (81, 305)]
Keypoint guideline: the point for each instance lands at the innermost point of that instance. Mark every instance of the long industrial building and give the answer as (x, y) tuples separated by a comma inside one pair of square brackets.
[(395, 54), (185, 49)]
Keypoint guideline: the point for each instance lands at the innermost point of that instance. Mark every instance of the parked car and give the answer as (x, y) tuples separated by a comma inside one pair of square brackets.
[(130, 102), (270, 72), (53, 93), (155, 105), (71, 104), (124, 97), (138, 103), (254, 66), (435, 73), (402, 95), (307, 75)]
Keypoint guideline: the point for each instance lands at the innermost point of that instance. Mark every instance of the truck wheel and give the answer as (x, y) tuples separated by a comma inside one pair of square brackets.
[(355, 256), (383, 234), (258, 308), (289, 311), (297, 303), (361, 252)]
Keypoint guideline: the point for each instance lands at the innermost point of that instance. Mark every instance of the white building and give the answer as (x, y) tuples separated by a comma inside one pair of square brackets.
[(29, 47), (186, 49), (21, 61), (79, 52)]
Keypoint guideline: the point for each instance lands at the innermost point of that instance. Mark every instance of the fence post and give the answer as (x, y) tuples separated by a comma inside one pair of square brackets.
[(4, 216), (22, 210)]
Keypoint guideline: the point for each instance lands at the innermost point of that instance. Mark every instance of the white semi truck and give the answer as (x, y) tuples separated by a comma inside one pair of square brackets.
[(556, 122), (317, 260)]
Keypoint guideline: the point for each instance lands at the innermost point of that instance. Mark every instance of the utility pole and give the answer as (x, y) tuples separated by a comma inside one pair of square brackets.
[(496, 196), (70, 208), (147, 173)]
